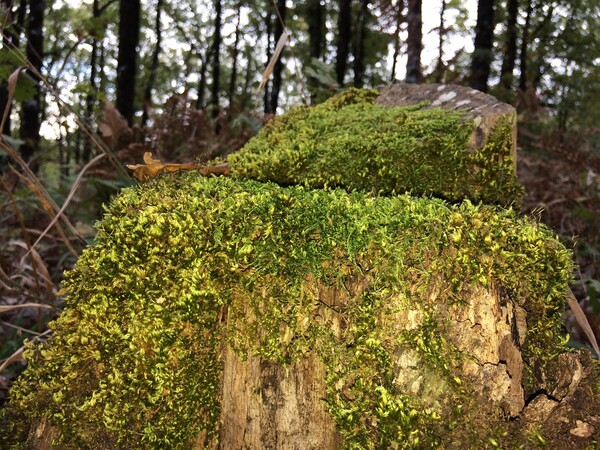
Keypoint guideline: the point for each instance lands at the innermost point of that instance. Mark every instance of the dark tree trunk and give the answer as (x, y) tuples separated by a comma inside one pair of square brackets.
[(9, 37), (343, 42), (278, 70), (359, 56), (233, 78), (153, 64), (315, 17), (129, 34), (439, 67), (250, 71), (399, 20), (484, 39), (102, 79), (510, 54), (269, 33), (90, 101), (200, 101), (31, 109), (216, 69), (523, 77), (414, 42)]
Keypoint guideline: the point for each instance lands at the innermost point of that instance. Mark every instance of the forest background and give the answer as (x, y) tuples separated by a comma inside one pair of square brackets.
[(88, 86)]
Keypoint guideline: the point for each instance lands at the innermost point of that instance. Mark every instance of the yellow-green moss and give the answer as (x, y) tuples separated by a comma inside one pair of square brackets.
[(133, 359), (350, 142)]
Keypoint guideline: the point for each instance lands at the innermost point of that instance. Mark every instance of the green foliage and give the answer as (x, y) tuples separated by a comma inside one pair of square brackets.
[(350, 142), (133, 358)]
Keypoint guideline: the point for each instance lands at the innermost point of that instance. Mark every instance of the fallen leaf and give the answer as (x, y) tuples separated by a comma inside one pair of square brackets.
[(155, 167)]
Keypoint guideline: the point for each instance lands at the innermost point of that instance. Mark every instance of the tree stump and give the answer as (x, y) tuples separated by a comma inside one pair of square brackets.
[(234, 313)]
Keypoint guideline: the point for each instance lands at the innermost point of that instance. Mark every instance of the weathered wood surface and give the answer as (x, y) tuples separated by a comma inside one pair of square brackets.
[(484, 109)]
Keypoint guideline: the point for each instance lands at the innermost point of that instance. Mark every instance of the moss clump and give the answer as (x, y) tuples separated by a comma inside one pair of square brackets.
[(350, 142), (133, 361)]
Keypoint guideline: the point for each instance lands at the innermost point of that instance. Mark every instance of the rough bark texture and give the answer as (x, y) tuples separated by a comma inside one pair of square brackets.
[(129, 31), (267, 405)]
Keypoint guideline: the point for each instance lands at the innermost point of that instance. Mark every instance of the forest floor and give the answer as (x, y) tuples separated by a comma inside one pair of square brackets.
[(562, 186)]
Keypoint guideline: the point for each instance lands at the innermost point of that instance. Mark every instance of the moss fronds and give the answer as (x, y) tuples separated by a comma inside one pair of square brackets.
[(134, 358), (350, 142)]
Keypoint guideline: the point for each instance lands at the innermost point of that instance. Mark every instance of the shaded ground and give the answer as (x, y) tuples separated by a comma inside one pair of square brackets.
[(562, 182)]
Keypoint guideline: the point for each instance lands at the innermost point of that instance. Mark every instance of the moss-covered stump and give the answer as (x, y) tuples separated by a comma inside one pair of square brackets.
[(445, 141), (218, 313)]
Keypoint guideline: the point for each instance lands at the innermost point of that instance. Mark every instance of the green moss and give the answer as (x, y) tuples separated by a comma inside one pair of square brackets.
[(134, 360), (350, 142)]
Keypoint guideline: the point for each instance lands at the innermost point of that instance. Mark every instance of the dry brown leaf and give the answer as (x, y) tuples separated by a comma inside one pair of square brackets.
[(155, 167), (36, 260), (112, 125), (11, 86)]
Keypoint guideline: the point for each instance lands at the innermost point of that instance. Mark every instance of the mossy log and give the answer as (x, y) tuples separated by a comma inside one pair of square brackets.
[(230, 313)]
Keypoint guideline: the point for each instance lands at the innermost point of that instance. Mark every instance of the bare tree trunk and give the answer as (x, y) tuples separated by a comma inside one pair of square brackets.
[(90, 101), (359, 56), (31, 109), (524, 76), (153, 64), (250, 72), (343, 42), (484, 39), (216, 69), (269, 36), (439, 68), (233, 78), (129, 35), (9, 39), (414, 42), (399, 20), (278, 70), (510, 55), (315, 17), (200, 102)]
